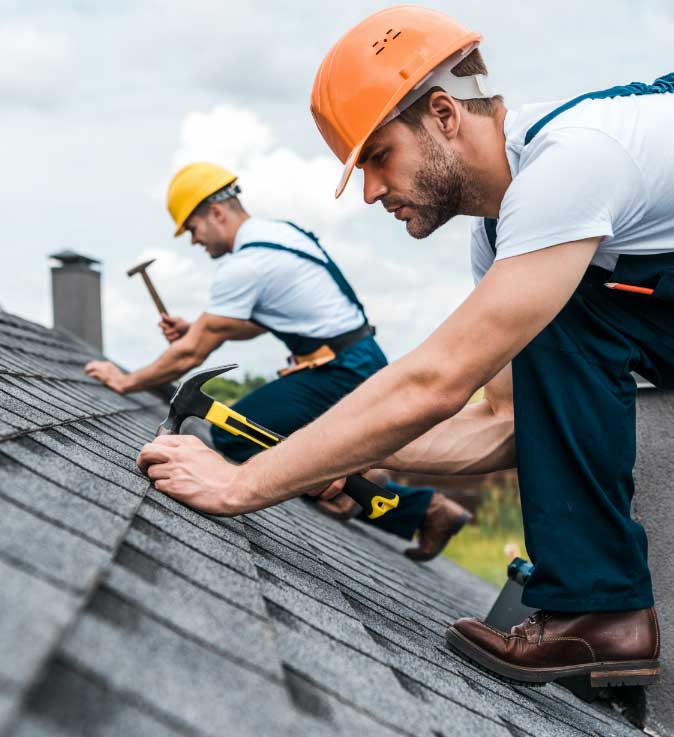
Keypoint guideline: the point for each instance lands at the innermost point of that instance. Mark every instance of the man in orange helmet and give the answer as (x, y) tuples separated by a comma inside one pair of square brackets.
[(570, 200)]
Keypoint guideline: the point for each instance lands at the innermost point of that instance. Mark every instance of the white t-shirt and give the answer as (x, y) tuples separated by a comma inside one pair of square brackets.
[(280, 290), (602, 168)]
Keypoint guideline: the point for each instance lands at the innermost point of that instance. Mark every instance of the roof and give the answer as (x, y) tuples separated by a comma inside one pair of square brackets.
[(125, 613)]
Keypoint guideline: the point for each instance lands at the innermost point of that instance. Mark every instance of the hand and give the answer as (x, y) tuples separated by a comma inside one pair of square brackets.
[(340, 507), (186, 469), (107, 373), (328, 492), (335, 503), (173, 327)]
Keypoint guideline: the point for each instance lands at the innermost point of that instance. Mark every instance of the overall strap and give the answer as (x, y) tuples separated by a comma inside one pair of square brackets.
[(334, 270), (300, 344), (661, 85), (279, 247), (490, 230)]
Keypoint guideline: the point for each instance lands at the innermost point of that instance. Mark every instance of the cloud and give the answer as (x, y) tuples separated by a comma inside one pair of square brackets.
[(276, 180), (33, 66)]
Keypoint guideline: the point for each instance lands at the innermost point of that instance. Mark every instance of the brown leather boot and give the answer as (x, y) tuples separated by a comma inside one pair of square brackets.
[(444, 518), (611, 648)]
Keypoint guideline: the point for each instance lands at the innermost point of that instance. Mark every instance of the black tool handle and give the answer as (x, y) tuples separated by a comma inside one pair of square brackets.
[(374, 499)]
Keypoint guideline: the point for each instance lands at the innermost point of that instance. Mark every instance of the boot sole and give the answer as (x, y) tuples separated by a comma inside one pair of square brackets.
[(599, 674)]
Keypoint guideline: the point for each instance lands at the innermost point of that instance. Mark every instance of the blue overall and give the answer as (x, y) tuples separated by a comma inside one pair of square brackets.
[(292, 401), (575, 425)]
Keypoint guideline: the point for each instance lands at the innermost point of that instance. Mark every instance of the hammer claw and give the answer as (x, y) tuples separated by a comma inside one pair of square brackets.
[(189, 400)]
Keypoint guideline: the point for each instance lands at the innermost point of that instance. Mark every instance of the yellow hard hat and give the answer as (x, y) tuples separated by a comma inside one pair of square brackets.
[(191, 186)]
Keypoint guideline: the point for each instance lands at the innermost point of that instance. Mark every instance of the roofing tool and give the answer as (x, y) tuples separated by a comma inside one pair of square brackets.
[(142, 270), (628, 288), (190, 401)]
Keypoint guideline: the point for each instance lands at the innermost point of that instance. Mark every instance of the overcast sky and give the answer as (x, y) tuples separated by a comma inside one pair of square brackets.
[(101, 102)]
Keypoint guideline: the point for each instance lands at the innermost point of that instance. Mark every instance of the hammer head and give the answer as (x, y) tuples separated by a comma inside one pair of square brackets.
[(140, 267), (189, 400)]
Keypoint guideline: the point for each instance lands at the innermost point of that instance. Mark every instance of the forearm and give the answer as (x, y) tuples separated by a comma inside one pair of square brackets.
[(476, 440), (171, 365), (391, 408)]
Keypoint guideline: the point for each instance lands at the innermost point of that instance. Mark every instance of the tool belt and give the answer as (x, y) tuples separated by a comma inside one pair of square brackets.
[(326, 352)]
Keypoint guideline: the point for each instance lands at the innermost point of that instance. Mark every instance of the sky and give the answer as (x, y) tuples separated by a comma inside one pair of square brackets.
[(102, 102)]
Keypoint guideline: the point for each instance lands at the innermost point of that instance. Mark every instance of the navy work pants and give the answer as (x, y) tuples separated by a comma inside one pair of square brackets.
[(575, 430), (292, 401)]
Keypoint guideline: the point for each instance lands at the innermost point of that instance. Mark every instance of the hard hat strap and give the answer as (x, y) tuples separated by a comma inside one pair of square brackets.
[(462, 88), (226, 193)]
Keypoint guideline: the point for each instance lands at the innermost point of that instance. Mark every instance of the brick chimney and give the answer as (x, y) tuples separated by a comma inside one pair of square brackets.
[(76, 296)]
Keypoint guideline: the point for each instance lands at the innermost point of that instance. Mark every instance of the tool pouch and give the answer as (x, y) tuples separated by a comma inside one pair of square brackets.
[(312, 360), (664, 289)]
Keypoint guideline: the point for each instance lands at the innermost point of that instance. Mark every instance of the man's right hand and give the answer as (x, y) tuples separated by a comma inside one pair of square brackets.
[(173, 327)]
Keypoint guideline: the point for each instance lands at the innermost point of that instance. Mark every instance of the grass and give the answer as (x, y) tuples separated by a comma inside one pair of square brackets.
[(229, 391), (483, 554), (487, 547)]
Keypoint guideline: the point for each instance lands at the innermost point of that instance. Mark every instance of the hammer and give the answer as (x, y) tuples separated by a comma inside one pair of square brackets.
[(190, 401), (141, 269)]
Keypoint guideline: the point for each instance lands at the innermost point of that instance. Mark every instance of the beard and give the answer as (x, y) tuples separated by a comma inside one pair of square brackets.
[(440, 190)]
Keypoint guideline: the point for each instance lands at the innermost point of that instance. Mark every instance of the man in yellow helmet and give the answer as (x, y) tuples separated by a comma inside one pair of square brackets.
[(573, 254), (275, 277)]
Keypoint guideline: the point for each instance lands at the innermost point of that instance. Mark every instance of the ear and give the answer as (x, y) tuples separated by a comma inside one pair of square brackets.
[(218, 212), (445, 113)]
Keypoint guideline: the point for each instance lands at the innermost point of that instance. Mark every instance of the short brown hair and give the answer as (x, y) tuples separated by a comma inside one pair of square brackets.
[(472, 64), (233, 203)]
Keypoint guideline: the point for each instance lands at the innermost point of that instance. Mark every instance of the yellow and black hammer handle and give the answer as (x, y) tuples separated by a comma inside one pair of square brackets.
[(372, 498)]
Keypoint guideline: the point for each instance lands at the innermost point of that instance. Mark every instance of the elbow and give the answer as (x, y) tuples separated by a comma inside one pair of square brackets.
[(440, 394)]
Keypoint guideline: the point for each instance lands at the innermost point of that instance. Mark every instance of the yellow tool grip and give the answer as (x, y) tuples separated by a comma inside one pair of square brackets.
[(375, 500), (381, 505), (236, 424)]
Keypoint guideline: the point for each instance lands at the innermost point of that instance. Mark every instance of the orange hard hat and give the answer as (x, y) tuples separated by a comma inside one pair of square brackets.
[(373, 67)]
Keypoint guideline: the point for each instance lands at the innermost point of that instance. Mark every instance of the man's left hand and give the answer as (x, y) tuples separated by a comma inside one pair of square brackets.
[(186, 469), (107, 373)]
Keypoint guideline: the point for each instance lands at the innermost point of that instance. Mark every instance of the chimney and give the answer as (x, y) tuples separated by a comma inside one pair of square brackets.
[(76, 296)]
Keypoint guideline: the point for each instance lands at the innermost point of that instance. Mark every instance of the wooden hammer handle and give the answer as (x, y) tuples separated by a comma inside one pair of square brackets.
[(153, 292)]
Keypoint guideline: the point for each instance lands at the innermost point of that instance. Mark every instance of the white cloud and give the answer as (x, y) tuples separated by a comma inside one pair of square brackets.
[(33, 65), (228, 135), (276, 180)]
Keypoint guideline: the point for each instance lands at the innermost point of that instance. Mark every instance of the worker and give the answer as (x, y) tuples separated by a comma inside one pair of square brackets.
[(567, 197), (275, 277)]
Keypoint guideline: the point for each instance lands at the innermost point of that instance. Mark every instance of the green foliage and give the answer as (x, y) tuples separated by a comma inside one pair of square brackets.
[(229, 391), (486, 548)]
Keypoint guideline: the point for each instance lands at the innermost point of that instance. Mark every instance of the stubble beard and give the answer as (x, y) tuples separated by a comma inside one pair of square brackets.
[(441, 188)]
